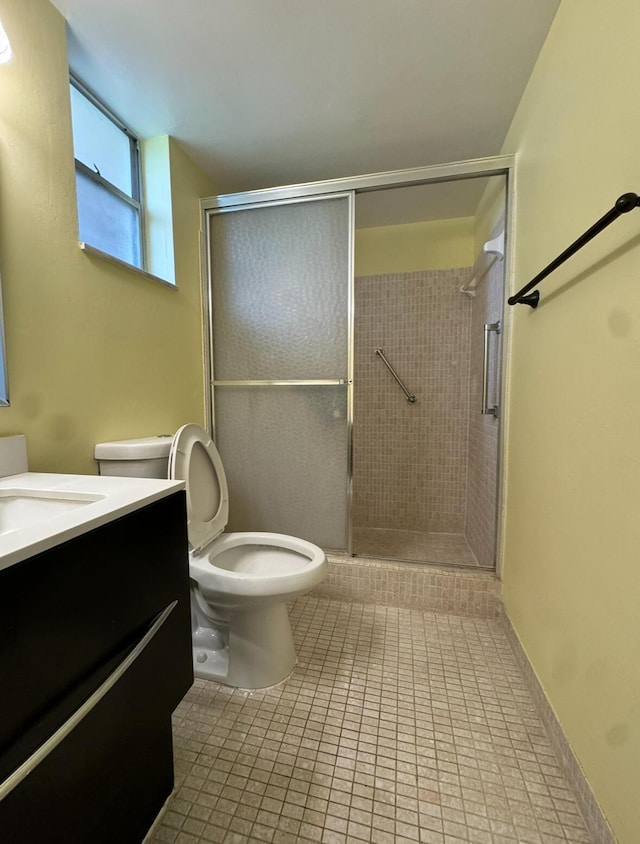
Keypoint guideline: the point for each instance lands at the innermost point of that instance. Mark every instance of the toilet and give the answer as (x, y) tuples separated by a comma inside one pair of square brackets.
[(240, 582)]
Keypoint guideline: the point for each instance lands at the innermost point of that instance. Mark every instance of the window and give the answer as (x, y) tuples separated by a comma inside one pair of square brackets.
[(107, 178)]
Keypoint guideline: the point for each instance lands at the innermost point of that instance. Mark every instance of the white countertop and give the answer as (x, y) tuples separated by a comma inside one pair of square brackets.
[(119, 496)]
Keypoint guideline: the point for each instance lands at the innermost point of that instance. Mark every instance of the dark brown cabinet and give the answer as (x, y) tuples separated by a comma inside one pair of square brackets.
[(70, 619)]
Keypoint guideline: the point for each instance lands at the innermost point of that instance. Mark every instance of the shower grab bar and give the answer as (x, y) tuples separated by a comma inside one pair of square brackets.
[(486, 410), (410, 397), (626, 202)]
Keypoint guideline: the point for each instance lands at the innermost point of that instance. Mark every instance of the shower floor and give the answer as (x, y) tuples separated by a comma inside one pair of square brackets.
[(414, 545)]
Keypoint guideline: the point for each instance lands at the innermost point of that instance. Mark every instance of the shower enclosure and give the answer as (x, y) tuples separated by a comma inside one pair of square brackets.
[(347, 407), (426, 457)]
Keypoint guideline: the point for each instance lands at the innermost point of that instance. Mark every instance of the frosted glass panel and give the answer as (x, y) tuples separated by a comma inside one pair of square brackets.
[(284, 451), (280, 291), (107, 222)]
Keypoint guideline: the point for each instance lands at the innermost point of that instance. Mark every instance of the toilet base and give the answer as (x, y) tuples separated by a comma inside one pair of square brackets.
[(259, 650)]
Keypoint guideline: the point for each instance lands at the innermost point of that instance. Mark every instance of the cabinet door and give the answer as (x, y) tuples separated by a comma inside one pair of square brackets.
[(68, 618)]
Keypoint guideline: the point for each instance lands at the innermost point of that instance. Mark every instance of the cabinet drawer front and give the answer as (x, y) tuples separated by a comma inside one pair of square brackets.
[(109, 777), (69, 613)]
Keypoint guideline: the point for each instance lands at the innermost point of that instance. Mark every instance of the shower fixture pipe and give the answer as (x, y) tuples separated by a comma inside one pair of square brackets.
[(494, 249), (410, 397)]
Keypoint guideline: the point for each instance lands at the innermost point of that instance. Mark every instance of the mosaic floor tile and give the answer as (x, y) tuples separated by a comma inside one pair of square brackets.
[(395, 726)]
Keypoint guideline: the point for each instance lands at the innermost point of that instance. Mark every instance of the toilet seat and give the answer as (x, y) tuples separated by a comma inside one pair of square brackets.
[(195, 459), (240, 582)]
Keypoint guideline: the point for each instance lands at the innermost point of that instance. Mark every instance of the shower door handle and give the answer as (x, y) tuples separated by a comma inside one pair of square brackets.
[(489, 327)]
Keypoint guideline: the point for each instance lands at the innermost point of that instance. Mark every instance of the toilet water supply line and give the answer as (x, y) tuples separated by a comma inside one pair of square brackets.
[(410, 397)]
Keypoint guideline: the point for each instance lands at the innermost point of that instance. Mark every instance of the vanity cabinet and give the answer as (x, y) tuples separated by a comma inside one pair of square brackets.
[(95, 645)]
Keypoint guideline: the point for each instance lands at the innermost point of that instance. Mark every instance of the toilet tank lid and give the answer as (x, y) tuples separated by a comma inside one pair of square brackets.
[(142, 448)]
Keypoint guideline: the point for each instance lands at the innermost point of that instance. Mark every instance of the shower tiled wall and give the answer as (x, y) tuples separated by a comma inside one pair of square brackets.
[(410, 460), (481, 504)]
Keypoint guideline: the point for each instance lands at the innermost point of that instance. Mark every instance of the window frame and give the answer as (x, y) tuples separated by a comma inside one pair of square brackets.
[(135, 200)]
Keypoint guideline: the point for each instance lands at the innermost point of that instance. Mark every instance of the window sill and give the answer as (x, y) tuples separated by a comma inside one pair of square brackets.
[(98, 253)]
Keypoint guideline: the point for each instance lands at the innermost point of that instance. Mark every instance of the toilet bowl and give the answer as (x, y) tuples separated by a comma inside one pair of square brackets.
[(240, 582)]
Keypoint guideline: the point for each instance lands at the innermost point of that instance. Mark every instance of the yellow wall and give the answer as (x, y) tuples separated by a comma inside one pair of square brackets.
[(436, 245), (572, 553), (95, 351)]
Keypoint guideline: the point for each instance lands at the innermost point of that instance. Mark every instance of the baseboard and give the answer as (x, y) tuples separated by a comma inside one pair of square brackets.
[(595, 821)]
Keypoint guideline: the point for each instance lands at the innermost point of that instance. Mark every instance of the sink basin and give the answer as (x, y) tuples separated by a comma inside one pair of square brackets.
[(21, 508)]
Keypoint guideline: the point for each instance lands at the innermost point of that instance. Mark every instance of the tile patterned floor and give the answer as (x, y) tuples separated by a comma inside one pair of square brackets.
[(414, 545), (396, 726)]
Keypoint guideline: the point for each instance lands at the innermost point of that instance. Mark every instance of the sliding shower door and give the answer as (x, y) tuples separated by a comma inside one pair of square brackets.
[(280, 324)]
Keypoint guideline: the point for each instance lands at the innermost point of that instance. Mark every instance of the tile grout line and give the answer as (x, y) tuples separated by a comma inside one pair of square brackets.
[(396, 726)]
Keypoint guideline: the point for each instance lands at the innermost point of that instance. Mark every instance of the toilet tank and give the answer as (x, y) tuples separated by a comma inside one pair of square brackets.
[(146, 457)]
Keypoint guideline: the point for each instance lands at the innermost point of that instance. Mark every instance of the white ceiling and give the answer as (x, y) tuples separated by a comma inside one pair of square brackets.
[(264, 93)]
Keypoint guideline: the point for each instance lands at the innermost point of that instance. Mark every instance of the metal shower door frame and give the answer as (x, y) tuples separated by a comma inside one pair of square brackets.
[(501, 165), (328, 382)]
